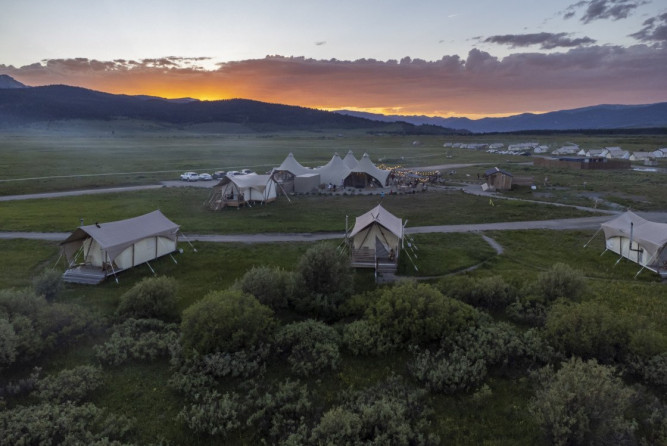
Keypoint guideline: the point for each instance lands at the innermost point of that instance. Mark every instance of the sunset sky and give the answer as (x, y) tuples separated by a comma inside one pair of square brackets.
[(470, 58)]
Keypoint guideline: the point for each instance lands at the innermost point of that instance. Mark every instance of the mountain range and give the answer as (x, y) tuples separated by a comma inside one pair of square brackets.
[(21, 105), (586, 118)]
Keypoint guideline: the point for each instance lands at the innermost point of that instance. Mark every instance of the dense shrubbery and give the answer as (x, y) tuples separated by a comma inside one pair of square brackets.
[(72, 385), (584, 403), (388, 413), (587, 330), (37, 326), (138, 340), (212, 413), (225, 321), (492, 292), (151, 298), (528, 310), (311, 346), (272, 287), (363, 338), (47, 424), (323, 282), (448, 372), (411, 313), (48, 283)]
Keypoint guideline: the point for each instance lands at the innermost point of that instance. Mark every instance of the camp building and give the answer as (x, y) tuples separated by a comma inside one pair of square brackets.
[(95, 251), (375, 240), (242, 190)]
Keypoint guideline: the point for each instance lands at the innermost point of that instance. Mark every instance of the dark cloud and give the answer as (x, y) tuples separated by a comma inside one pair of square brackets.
[(320, 43), (546, 41), (602, 9), (477, 84), (654, 30)]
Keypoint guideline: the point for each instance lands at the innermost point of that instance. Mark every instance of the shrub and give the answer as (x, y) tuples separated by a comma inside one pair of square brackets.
[(150, 298), (527, 310), (212, 413), (588, 330), (418, 313), (62, 424), (311, 346), (489, 292), (48, 284), (137, 340), (271, 286), (8, 343), (388, 413), (560, 281), (69, 385), (583, 403), (225, 321), (324, 279), (448, 372), (362, 338)]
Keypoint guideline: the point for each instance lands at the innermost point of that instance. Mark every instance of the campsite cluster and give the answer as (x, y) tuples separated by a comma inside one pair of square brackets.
[(318, 354)]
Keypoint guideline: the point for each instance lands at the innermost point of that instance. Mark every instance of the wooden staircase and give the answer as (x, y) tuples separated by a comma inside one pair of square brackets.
[(84, 275)]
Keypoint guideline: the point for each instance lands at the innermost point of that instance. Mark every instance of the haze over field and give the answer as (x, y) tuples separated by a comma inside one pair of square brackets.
[(455, 58)]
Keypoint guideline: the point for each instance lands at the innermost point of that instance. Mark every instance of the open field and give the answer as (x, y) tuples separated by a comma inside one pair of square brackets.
[(495, 415)]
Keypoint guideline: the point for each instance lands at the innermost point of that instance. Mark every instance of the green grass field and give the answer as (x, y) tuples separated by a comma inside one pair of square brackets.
[(139, 389)]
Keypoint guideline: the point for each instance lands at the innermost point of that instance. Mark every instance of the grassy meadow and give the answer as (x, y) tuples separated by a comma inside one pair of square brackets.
[(43, 162)]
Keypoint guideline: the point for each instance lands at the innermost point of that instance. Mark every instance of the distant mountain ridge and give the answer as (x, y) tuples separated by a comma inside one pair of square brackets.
[(606, 116), (10, 82), (61, 103)]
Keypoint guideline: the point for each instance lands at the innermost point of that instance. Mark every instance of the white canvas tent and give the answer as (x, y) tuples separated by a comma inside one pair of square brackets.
[(639, 240), (350, 161), (239, 190), (334, 172), (116, 246), (376, 236), (366, 173)]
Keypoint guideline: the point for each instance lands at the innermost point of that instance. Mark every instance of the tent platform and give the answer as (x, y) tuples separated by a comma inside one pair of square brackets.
[(85, 275)]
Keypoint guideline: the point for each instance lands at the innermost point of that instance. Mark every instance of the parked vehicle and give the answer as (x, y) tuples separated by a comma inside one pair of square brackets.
[(205, 177), (192, 176), (218, 174), (246, 171), (187, 175)]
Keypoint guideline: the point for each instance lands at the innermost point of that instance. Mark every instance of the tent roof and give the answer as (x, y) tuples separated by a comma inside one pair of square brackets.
[(251, 180), (651, 235), (380, 216), (115, 236), (350, 161), (290, 164), (335, 171)]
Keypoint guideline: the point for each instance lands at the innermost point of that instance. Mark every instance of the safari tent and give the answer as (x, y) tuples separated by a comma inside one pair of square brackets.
[(240, 190), (376, 238), (95, 251), (639, 240)]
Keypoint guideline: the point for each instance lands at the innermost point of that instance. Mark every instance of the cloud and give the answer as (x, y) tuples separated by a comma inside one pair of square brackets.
[(547, 41), (654, 30), (477, 84), (602, 9), (320, 43)]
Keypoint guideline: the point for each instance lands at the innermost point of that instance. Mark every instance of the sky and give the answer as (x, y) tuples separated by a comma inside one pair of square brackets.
[(471, 58)]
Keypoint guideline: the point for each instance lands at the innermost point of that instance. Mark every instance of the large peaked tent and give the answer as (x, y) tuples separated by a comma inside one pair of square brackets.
[(366, 173), (639, 240), (119, 245)]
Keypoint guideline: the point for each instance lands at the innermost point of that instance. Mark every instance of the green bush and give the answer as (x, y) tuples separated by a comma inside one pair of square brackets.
[(138, 340), (212, 413), (363, 338), (388, 413), (311, 346), (47, 424), (48, 283), (528, 310), (560, 281), (271, 286), (324, 281), (584, 403), (588, 330), (488, 292), (150, 298), (8, 343), (448, 373), (69, 385), (411, 313), (225, 321)]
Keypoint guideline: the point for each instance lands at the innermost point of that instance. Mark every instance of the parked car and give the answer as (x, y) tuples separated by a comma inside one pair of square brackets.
[(186, 176), (205, 177), (218, 174), (192, 176), (246, 171), (233, 173)]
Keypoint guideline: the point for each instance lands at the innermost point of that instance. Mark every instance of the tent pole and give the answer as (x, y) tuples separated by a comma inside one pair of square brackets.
[(603, 252), (188, 241), (596, 233), (172, 258), (151, 268)]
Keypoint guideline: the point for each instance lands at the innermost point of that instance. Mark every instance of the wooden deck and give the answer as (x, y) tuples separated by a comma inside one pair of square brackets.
[(86, 275)]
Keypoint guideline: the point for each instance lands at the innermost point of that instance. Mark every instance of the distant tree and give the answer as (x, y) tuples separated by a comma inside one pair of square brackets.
[(583, 403), (560, 281), (151, 298), (225, 321)]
